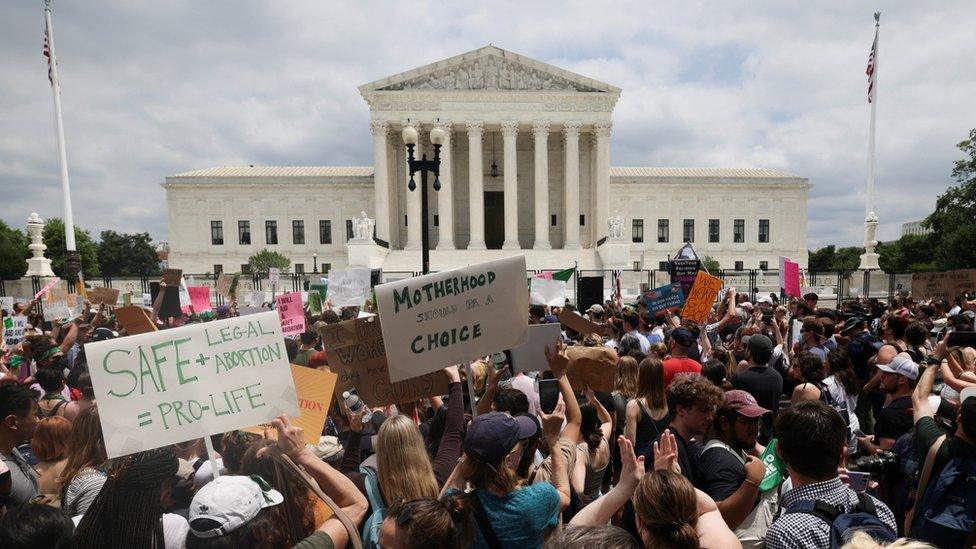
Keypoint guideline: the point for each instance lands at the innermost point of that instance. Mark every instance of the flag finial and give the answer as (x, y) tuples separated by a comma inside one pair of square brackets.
[(877, 18)]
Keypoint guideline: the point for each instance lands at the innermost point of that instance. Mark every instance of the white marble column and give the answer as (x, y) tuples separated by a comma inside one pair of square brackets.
[(509, 135), (445, 197), (571, 132), (381, 182), (540, 133), (414, 204), (476, 185), (601, 209)]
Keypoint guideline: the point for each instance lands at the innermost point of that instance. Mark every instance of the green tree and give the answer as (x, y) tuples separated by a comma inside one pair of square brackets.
[(13, 252), (907, 254), (127, 254), (953, 222), (847, 258), (54, 240), (710, 263), (821, 259), (266, 259)]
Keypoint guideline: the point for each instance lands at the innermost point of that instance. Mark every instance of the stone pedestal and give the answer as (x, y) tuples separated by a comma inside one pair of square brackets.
[(365, 253), (869, 259), (615, 253), (37, 265)]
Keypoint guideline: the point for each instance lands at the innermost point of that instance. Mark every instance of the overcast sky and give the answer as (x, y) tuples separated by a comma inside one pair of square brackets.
[(152, 89)]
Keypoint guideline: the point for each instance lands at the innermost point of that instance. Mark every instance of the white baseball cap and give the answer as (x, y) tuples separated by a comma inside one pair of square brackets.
[(902, 366), (231, 501)]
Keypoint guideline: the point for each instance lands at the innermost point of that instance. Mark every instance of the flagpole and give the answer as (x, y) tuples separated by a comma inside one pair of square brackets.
[(869, 259), (72, 263)]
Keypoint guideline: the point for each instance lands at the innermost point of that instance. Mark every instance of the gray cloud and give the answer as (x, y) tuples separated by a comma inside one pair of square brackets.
[(152, 89)]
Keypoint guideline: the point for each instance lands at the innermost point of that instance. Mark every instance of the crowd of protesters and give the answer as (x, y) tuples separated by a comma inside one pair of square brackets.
[(774, 423)]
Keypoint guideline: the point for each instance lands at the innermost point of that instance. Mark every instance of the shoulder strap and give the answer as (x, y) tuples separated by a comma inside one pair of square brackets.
[(487, 532), (865, 504), (923, 480), (54, 411), (716, 443), (820, 509)]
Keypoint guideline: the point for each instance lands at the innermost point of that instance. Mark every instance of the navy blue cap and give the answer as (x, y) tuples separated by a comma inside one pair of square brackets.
[(492, 436), (683, 336)]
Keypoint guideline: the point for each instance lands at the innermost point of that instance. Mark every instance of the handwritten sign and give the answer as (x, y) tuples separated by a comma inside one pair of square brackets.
[(291, 314), (7, 304), (945, 285), (579, 324), (593, 367), (683, 273), (172, 277), (107, 296), (701, 298), (47, 287), (356, 353), (450, 317), (13, 330), (199, 298), (666, 297), (349, 287), (274, 275), (531, 355), (543, 291), (224, 281), (789, 277), (161, 388), (134, 320), (314, 389)]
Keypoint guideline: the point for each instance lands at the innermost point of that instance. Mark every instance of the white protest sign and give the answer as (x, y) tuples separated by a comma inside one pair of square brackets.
[(147, 300), (547, 292), (13, 330), (164, 387), (349, 287), (436, 320), (274, 274), (259, 298), (531, 355), (7, 304), (184, 293), (54, 310)]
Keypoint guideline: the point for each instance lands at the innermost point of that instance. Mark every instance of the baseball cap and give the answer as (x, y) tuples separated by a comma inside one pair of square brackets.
[(231, 501), (101, 334), (743, 403), (595, 308), (682, 336), (759, 342), (493, 435), (902, 366), (764, 299)]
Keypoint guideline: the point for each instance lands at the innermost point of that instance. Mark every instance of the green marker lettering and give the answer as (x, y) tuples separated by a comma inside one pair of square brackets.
[(181, 363), (123, 371)]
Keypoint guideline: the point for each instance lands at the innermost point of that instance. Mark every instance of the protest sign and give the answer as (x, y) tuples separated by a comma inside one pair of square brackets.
[(106, 296), (170, 307), (450, 317), (549, 291), (356, 353), (683, 273), (172, 277), (349, 287), (944, 285), (146, 300), (7, 304), (47, 287), (199, 298), (789, 277), (593, 367), (274, 275), (664, 298), (291, 313), (161, 388), (317, 292), (702, 296), (134, 320), (244, 311), (54, 310), (223, 284), (531, 355), (13, 330), (314, 389), (184, 294), (578, 323)]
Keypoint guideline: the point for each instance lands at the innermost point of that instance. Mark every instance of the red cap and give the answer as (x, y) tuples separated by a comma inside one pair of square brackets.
[(743, 403)]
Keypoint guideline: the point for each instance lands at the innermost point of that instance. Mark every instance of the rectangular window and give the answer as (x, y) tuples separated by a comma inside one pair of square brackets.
[(246, 268), (299, 268), (218, 269), (217, 233), (764, 230), (637, 230), (713, 230), (326, 267), (637, 266), (325, 231), (662, 266), (552, 221), (349, 235), (270, 232), (297, 232), (244, 232), (763, 265), (738, 266), (689, 230), (663, 230), (739, 230), (582, 220), (437, 220)]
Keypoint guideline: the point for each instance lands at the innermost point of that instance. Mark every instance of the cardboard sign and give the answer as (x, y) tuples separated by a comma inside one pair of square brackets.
[(47, 287), (134, 320), (349, 287), (314, 389), (291, 313), (683, 273), (199, 298), (224, 281), (274, 275), (13, 330), (357, 354), (450, 317), (106, 296), (161, 388), (172, 277), (945, 285), (531, 355), (701, 298), (549, 291), (593, 367), (579, 324), (171, 300), (664, 298)]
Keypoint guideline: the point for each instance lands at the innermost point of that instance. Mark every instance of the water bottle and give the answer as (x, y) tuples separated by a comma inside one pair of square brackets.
[(354, 403)]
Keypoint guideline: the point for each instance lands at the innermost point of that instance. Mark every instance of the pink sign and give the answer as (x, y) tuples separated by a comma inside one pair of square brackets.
[(791, 278), (291, 313), (199, 298), (47, 288)]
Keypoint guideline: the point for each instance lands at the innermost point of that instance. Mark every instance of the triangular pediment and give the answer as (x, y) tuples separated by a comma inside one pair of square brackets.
[(489, 69)]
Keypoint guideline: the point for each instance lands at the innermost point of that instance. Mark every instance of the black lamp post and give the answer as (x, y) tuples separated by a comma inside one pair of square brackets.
[(315, 263), (437, 136)]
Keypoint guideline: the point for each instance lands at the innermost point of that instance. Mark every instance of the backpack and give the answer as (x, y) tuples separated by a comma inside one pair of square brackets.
[(863, 517), (371, 527), (41, 414), (944, 515)]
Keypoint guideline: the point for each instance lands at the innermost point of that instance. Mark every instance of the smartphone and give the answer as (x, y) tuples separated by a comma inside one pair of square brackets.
[(548, 394), (962, 339), (858, 481)]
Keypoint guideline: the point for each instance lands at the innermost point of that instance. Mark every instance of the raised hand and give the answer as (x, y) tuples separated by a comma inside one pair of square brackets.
[(632, 469), (552, 424), (666, 453)]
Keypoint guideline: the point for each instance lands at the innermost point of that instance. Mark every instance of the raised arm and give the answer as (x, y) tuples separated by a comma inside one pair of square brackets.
[(158, 303), (551, 424), (920, 396), (606, 420), (491, 387), (449, 449), (600, 511)]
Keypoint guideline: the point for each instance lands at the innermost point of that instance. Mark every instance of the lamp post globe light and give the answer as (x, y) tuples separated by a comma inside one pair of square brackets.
[(422, 165), (315, 262)]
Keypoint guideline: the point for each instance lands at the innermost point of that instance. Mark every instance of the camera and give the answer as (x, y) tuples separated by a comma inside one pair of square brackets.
[(880, 464)]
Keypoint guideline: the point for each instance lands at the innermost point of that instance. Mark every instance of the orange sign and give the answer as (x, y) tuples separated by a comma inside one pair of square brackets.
[(702, 296), (314, 389)]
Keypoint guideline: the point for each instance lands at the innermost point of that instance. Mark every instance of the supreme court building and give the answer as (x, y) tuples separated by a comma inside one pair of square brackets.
[(526, 168)]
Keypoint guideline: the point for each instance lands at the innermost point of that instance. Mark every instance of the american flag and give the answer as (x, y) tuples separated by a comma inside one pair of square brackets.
[(47, 53), (870, 71)]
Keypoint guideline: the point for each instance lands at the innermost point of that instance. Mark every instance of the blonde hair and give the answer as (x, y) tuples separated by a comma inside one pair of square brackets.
[(861, 540), (403, 467), (626, 382), (650, 383)]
